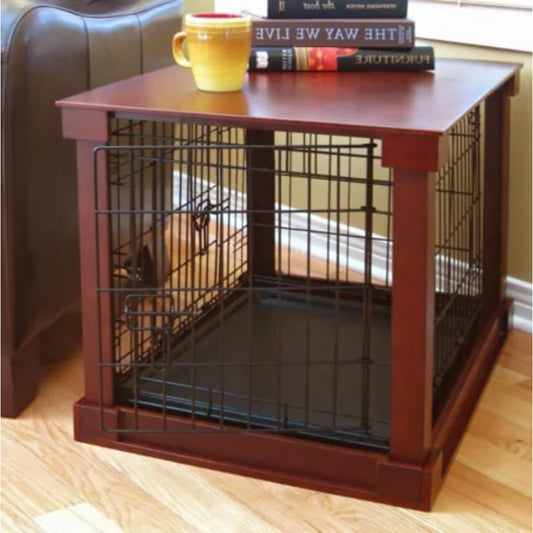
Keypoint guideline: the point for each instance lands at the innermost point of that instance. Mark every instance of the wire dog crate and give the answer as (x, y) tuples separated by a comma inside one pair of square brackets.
[(287, 302), (270, 318)]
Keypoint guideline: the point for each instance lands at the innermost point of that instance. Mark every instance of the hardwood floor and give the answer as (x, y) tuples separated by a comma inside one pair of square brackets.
[(52, 483)]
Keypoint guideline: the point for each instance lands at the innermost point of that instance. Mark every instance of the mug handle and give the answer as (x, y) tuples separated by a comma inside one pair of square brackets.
[(177, 50)]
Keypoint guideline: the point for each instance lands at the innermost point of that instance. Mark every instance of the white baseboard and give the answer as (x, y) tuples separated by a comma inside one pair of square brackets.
[(521, 310), (350, 248)]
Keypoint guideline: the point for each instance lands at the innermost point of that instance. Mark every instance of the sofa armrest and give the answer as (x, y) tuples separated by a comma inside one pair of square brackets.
[(50, 50)]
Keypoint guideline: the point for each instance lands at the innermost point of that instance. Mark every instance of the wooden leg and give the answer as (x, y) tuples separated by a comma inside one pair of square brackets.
[(261, 200), (96, 306), (495, 208), (412, 315)]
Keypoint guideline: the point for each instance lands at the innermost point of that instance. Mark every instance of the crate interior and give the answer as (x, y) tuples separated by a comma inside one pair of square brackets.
[(279, 360)]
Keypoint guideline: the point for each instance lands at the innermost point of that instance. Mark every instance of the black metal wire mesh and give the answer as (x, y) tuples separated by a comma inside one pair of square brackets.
[(210, 327), (459, 252), (253, 291)]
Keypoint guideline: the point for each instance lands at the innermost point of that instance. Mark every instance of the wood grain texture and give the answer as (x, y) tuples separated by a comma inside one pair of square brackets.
[(364, 103), (412, 319), (83, 518), (488, 487)]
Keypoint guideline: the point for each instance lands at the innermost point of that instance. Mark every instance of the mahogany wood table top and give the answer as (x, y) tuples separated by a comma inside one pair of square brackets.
[(370, 103)]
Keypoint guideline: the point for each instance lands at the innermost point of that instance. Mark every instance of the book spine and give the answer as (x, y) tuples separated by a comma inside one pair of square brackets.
[(364, 33), (309, 9), (326, 59)]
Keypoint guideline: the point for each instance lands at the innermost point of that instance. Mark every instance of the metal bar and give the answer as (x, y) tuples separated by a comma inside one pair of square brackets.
[(367, 299)]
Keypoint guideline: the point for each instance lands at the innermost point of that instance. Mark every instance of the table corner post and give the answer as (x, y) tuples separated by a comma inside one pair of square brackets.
[(89, 129), (261, 198), (414, 160), (496, 194)]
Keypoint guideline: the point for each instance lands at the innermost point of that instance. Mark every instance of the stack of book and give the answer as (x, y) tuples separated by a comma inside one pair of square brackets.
[(337, 35)]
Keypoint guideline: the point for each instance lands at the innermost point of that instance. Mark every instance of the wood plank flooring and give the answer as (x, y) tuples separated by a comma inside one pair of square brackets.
[(52, 483)]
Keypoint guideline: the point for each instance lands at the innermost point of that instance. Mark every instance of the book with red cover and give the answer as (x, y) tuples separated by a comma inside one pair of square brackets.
[(326, 59)]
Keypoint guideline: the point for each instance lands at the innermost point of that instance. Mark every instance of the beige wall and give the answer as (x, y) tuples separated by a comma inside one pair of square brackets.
[(519, 251), (190, 6)]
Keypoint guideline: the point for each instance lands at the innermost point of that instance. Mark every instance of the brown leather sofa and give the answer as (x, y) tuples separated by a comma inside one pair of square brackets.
[(52, 49)]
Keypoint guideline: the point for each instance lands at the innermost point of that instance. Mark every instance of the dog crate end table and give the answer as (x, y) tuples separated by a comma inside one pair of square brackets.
[(302, 281)]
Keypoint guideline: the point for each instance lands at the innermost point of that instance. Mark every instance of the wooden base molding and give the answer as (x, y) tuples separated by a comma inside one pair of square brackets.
[(323, 467)]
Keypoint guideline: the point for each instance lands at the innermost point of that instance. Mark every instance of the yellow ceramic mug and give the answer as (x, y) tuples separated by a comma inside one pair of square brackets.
[(218, 46)]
